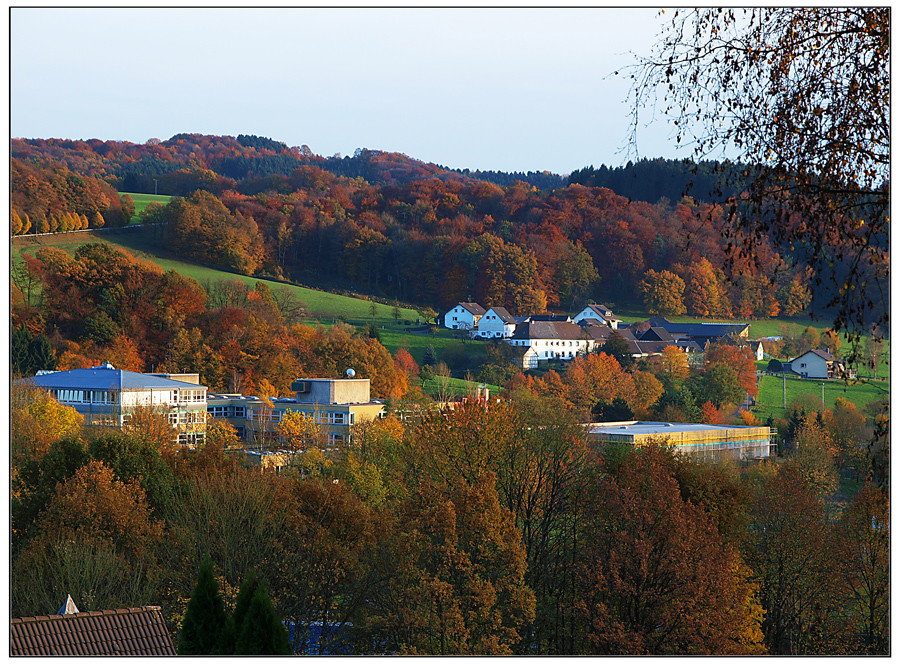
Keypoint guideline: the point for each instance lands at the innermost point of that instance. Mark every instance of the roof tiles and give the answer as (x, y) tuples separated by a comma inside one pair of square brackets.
[(133, 632)]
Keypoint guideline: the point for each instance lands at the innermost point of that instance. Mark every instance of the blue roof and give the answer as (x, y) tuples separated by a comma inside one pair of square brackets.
[(105, 377)]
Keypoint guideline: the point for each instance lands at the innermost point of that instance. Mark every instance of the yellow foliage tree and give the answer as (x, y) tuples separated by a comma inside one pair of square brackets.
[(36, 421)]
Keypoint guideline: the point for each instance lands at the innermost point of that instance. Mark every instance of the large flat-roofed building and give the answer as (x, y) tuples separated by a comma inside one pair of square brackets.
[(336, 405), (706, 442), (107, 396)]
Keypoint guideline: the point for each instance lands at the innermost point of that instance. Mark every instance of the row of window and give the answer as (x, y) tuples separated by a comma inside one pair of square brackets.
[(227, 411), (192, 396), (321, 417), (190, 417), (85, 396)]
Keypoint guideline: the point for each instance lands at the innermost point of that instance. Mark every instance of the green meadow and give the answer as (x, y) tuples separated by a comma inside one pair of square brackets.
[(141, 201), (809, 392)]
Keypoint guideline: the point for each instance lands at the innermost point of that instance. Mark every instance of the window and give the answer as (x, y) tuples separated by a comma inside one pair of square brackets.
[(238, 411), (217, 411)]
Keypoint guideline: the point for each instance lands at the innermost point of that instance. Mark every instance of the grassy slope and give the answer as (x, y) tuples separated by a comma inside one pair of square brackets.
[(142, 200), (319, 304), (770, 393)]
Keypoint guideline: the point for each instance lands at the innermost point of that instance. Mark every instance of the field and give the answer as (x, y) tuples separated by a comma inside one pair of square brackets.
[(453, 387), (141, 201), (769, 401)]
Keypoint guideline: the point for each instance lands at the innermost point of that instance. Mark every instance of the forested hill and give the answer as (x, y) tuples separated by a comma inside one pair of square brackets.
[(187, 162), (652, 179), (383, 224)]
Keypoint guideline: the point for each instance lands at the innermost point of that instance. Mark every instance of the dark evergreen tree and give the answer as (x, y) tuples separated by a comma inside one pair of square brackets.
[(40, 354), (616, 411), (430, 357), (259, 629), (205, 622), (19, 342)]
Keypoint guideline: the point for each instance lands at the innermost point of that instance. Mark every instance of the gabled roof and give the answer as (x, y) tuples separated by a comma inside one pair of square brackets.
[(824, 354), (602, 311), (138, 632), (657, 334), (597, 332), (473, 308), (548, 330), (503, 315), (106, 377)]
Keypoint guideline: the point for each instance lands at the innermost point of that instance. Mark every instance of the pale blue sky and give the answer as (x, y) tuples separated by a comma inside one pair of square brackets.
[(503, 89)]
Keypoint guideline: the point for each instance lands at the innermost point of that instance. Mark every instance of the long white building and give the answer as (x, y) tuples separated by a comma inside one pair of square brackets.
[(107, 396)]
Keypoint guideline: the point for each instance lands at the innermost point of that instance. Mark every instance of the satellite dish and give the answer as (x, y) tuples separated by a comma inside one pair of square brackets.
[(350, 373)]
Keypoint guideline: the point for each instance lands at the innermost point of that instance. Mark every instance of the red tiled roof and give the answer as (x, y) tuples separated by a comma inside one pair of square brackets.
[(138, 632)]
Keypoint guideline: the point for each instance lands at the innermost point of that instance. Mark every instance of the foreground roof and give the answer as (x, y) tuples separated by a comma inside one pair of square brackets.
[(138, 632), (107, 377)]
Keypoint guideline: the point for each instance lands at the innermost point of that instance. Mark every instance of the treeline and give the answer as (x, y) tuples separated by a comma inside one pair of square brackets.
[(653, 179), (54, 199), (489, 529)]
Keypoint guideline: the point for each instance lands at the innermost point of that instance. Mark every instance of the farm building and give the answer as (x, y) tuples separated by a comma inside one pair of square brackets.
[(706, 442)]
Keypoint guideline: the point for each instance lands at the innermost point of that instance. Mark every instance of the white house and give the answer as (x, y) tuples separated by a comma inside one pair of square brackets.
[(759, 351), (552, 340), (464, 316), (107, 396), (496, 323), (598, 312), (814, 364)]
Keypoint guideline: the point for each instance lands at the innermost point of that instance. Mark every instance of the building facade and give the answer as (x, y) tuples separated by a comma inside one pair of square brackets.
[(705, 442), (496, 323), (107, 396), (335, 406)]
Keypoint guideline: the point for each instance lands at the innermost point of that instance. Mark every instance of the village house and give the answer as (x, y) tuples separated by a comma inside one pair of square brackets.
[(464, 316), (552, 340), (599, 313), (818, 363), (496, 323), (107, 396)]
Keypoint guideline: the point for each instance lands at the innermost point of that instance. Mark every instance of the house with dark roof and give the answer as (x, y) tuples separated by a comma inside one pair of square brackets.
[(464, 316), (599, 313), (138, 632), (496, 323), (107, 396), (819, 363)]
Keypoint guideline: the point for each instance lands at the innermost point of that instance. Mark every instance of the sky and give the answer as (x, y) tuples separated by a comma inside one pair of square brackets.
[(490, 89)]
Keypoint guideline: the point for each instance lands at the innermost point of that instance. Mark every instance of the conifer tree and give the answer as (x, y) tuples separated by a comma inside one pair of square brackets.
[(259, 629), (204, 621)]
